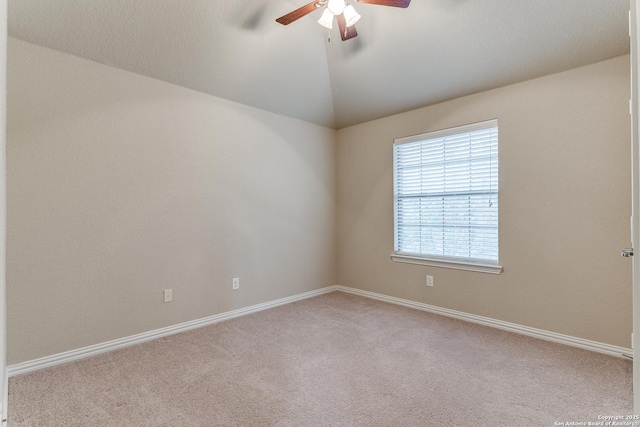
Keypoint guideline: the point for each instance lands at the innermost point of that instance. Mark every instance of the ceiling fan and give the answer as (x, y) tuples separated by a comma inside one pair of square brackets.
[(345, 14)]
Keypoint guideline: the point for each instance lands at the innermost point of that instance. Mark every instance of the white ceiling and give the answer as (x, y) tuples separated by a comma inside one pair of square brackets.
[(402, 58)]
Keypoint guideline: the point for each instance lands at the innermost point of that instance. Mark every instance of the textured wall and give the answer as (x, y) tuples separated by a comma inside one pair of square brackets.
[(564, 205), (120, 186)]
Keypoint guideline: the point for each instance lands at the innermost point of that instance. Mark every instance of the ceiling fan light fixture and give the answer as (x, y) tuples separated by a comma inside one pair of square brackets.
[(326, 20), (350, 15), (336, 6), (346, 14)]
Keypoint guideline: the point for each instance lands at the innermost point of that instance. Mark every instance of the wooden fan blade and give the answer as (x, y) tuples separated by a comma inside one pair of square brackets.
[(346, 33), (298, 13), (394, 3)]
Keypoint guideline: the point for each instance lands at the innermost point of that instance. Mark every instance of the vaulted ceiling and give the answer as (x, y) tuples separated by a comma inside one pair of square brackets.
[(402, 58)]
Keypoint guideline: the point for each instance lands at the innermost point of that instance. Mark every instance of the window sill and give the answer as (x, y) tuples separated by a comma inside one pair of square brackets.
[(457, 265)]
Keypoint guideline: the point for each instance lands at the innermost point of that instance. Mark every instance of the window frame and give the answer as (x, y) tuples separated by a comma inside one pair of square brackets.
[(459, 263)]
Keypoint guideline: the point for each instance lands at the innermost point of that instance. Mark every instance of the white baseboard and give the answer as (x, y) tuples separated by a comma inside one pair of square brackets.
[(598, 347), (81, 353)]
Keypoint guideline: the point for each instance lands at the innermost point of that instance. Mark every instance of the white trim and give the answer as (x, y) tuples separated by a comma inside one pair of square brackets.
[(3, 209), (634, 21), (598, 347), (81, 353), (446, 132), (456, 265)]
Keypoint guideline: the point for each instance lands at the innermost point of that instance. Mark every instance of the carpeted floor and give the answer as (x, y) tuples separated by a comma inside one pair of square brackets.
[(332, 360)]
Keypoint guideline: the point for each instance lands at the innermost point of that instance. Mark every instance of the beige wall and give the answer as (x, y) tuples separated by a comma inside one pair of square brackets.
[(120, 186), (564, 205)]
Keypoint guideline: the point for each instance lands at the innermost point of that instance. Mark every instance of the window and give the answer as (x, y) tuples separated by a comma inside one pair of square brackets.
[(446, 198)]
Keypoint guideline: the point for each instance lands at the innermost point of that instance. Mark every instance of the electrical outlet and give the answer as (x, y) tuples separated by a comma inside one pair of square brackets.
[(430, 281), (168, 295), (236, 283)]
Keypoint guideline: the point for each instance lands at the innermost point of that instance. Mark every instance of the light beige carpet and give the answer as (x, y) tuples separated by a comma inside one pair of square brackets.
[(332, 360)]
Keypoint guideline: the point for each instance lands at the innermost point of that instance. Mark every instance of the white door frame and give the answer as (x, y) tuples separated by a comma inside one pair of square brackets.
[(4, 380), (634, 21)]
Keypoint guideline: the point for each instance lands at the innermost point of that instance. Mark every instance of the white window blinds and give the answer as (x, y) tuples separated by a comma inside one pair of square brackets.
[(446, 194)]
